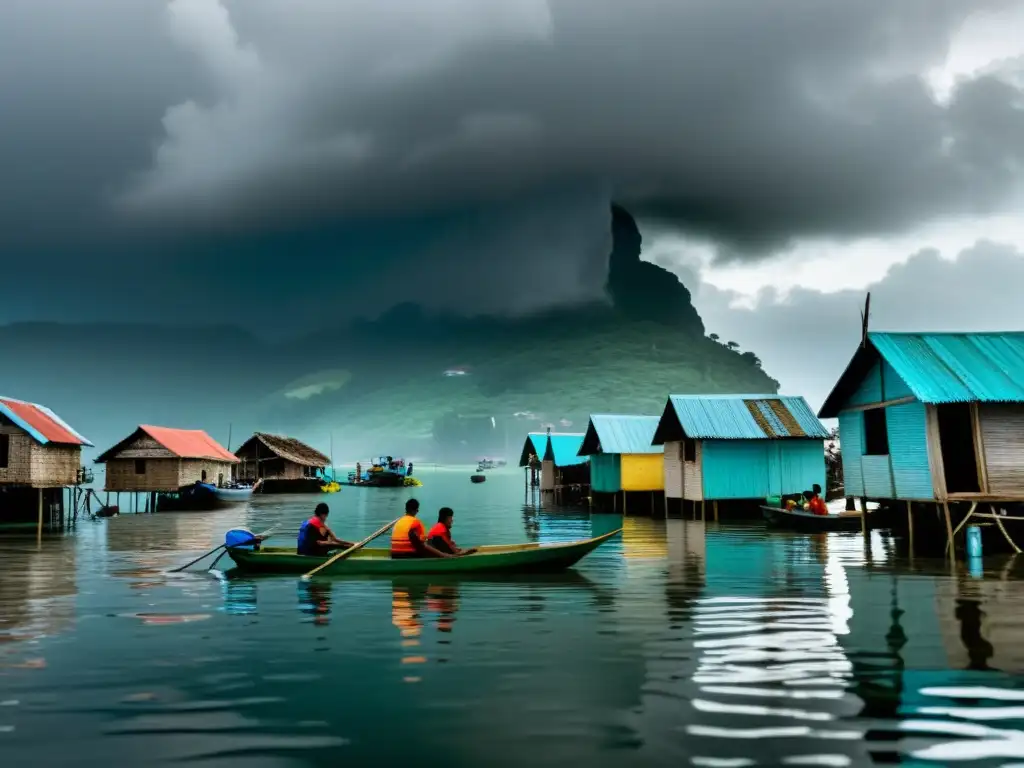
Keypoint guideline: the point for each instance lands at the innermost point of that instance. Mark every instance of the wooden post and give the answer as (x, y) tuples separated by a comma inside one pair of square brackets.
[(863, 516), (39, 520), (624, 503), (701, 509), (714, 506), (652, 503), (949, 530), (615, 503), (910, 527)]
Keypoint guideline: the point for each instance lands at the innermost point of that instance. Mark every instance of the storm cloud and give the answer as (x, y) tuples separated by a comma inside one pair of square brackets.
[(195, 132)]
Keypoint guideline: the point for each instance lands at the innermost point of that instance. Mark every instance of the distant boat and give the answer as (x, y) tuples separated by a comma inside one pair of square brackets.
[(384, 472), (477, 478)]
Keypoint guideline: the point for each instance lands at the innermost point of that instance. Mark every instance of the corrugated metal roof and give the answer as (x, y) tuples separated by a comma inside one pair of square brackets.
[(731, 417), (40, 422), (625, 434), (536, 443), (564, 449), (189, 443), (957, 367)]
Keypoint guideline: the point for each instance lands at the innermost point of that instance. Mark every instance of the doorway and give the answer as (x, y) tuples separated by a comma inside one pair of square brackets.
[(956, 439)]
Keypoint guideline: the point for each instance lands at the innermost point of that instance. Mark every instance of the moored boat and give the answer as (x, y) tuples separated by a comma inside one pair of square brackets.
[(384, 472), (477, 478), (512, 558), (800, 520), (233, 494)]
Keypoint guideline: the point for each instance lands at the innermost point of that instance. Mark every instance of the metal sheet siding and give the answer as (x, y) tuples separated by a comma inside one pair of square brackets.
[(605, 473), (727, 417), (851, 437), (908, 450), (626, 434), (642, 472), (673, 470), (736, 469), (957, 367), (800, 465), (877, 477), (870, 389), (1002, 434)]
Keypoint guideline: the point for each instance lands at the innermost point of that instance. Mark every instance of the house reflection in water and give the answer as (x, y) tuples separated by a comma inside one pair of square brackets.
[(37, 596)]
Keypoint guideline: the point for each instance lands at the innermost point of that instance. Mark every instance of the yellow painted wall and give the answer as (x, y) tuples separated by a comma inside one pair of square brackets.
[(643, 472)]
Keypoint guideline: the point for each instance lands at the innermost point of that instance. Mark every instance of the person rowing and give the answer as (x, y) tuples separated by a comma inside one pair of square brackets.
[(440, 536), (315, 538), (409, 536)]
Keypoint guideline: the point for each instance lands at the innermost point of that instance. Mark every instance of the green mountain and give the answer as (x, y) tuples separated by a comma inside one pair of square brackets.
[(439, 387)]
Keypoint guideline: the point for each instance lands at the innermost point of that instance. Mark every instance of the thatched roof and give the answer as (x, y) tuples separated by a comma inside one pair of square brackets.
[(289, 449)]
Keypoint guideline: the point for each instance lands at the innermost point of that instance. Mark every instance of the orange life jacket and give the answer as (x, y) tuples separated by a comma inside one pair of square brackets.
[(400, 541)]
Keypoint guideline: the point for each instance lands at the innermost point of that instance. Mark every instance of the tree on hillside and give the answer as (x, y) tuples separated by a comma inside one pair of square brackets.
[(714, 337), (732, 345)]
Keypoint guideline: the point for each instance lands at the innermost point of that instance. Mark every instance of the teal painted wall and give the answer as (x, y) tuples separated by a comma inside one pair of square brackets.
[(870, 389), (908, 450), (605, 473), (755, 469), (851, 443)]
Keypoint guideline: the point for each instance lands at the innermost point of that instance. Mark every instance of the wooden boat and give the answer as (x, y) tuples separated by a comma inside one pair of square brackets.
[(233, 495), (513, 558), (799, 520)]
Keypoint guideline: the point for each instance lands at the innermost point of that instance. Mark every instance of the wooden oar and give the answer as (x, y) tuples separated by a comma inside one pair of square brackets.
[(255, 536), (353, 548)]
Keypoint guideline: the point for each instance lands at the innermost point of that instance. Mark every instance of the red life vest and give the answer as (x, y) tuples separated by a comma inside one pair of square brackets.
[(440, 530)]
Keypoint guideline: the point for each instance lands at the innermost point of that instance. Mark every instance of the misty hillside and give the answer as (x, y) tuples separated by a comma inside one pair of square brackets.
[(439, 387)]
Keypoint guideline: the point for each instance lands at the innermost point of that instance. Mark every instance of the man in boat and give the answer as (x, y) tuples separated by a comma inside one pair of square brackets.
[(409, 536), (440, 536), (315, 538), (816, 504)]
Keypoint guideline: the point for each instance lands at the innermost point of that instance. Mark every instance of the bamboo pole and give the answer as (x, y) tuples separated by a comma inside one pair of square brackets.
[(39, 520), (949, 530), (714, 507), (910, 527)]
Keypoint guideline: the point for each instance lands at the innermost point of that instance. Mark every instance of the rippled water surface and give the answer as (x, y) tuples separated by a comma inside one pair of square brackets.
[(677, 643)]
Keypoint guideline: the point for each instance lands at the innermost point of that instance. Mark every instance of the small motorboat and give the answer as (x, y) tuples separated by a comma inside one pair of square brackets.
[(801, 520), (108, 511), (477, 478)]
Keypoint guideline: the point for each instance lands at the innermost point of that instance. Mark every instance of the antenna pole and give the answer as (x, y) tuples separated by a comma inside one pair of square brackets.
[(865, 318)]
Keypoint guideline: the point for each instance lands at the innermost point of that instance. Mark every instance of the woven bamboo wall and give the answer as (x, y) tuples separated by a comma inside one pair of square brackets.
[(19, 458), (54, 465), (160, 475), (191, 471)]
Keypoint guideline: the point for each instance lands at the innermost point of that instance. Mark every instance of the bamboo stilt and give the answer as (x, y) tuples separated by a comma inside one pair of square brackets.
[(910, 527), (39, 520), (702, 511), (714, 507), (949, 530)]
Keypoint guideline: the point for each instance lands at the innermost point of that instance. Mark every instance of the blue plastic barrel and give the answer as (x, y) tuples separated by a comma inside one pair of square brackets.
[(973, 541), (239, 538)]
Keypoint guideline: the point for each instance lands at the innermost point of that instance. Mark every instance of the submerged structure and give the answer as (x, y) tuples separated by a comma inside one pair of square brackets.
[(40, 455), (934, 418), (285, 464), (738, 448), (623, 458), (164, 459)]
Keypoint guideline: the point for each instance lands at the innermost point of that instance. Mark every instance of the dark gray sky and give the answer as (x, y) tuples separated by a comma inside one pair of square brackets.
[(202, 158)]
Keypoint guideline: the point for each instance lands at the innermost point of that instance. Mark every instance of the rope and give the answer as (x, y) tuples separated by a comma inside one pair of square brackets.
[(1003, 530)]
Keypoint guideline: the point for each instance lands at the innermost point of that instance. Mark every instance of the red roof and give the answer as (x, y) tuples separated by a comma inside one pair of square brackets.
[(189, 443), (40, 422)]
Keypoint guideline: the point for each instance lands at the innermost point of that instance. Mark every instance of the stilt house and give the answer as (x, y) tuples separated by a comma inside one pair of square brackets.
[(165, 459), (37, 448), (282, 462), (558, 454), (622, 457), (739, 447), (933, 417)]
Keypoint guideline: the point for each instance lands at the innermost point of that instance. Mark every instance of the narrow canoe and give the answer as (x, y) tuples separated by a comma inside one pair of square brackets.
[(799, 520), (232, 495), (513, 558)]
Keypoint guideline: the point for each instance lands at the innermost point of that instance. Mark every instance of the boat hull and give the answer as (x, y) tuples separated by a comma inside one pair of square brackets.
[(798, 520), (518, 558), (232, 495)]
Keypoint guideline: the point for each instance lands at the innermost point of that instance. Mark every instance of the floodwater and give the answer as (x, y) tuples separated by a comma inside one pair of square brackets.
[(676, 644)]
